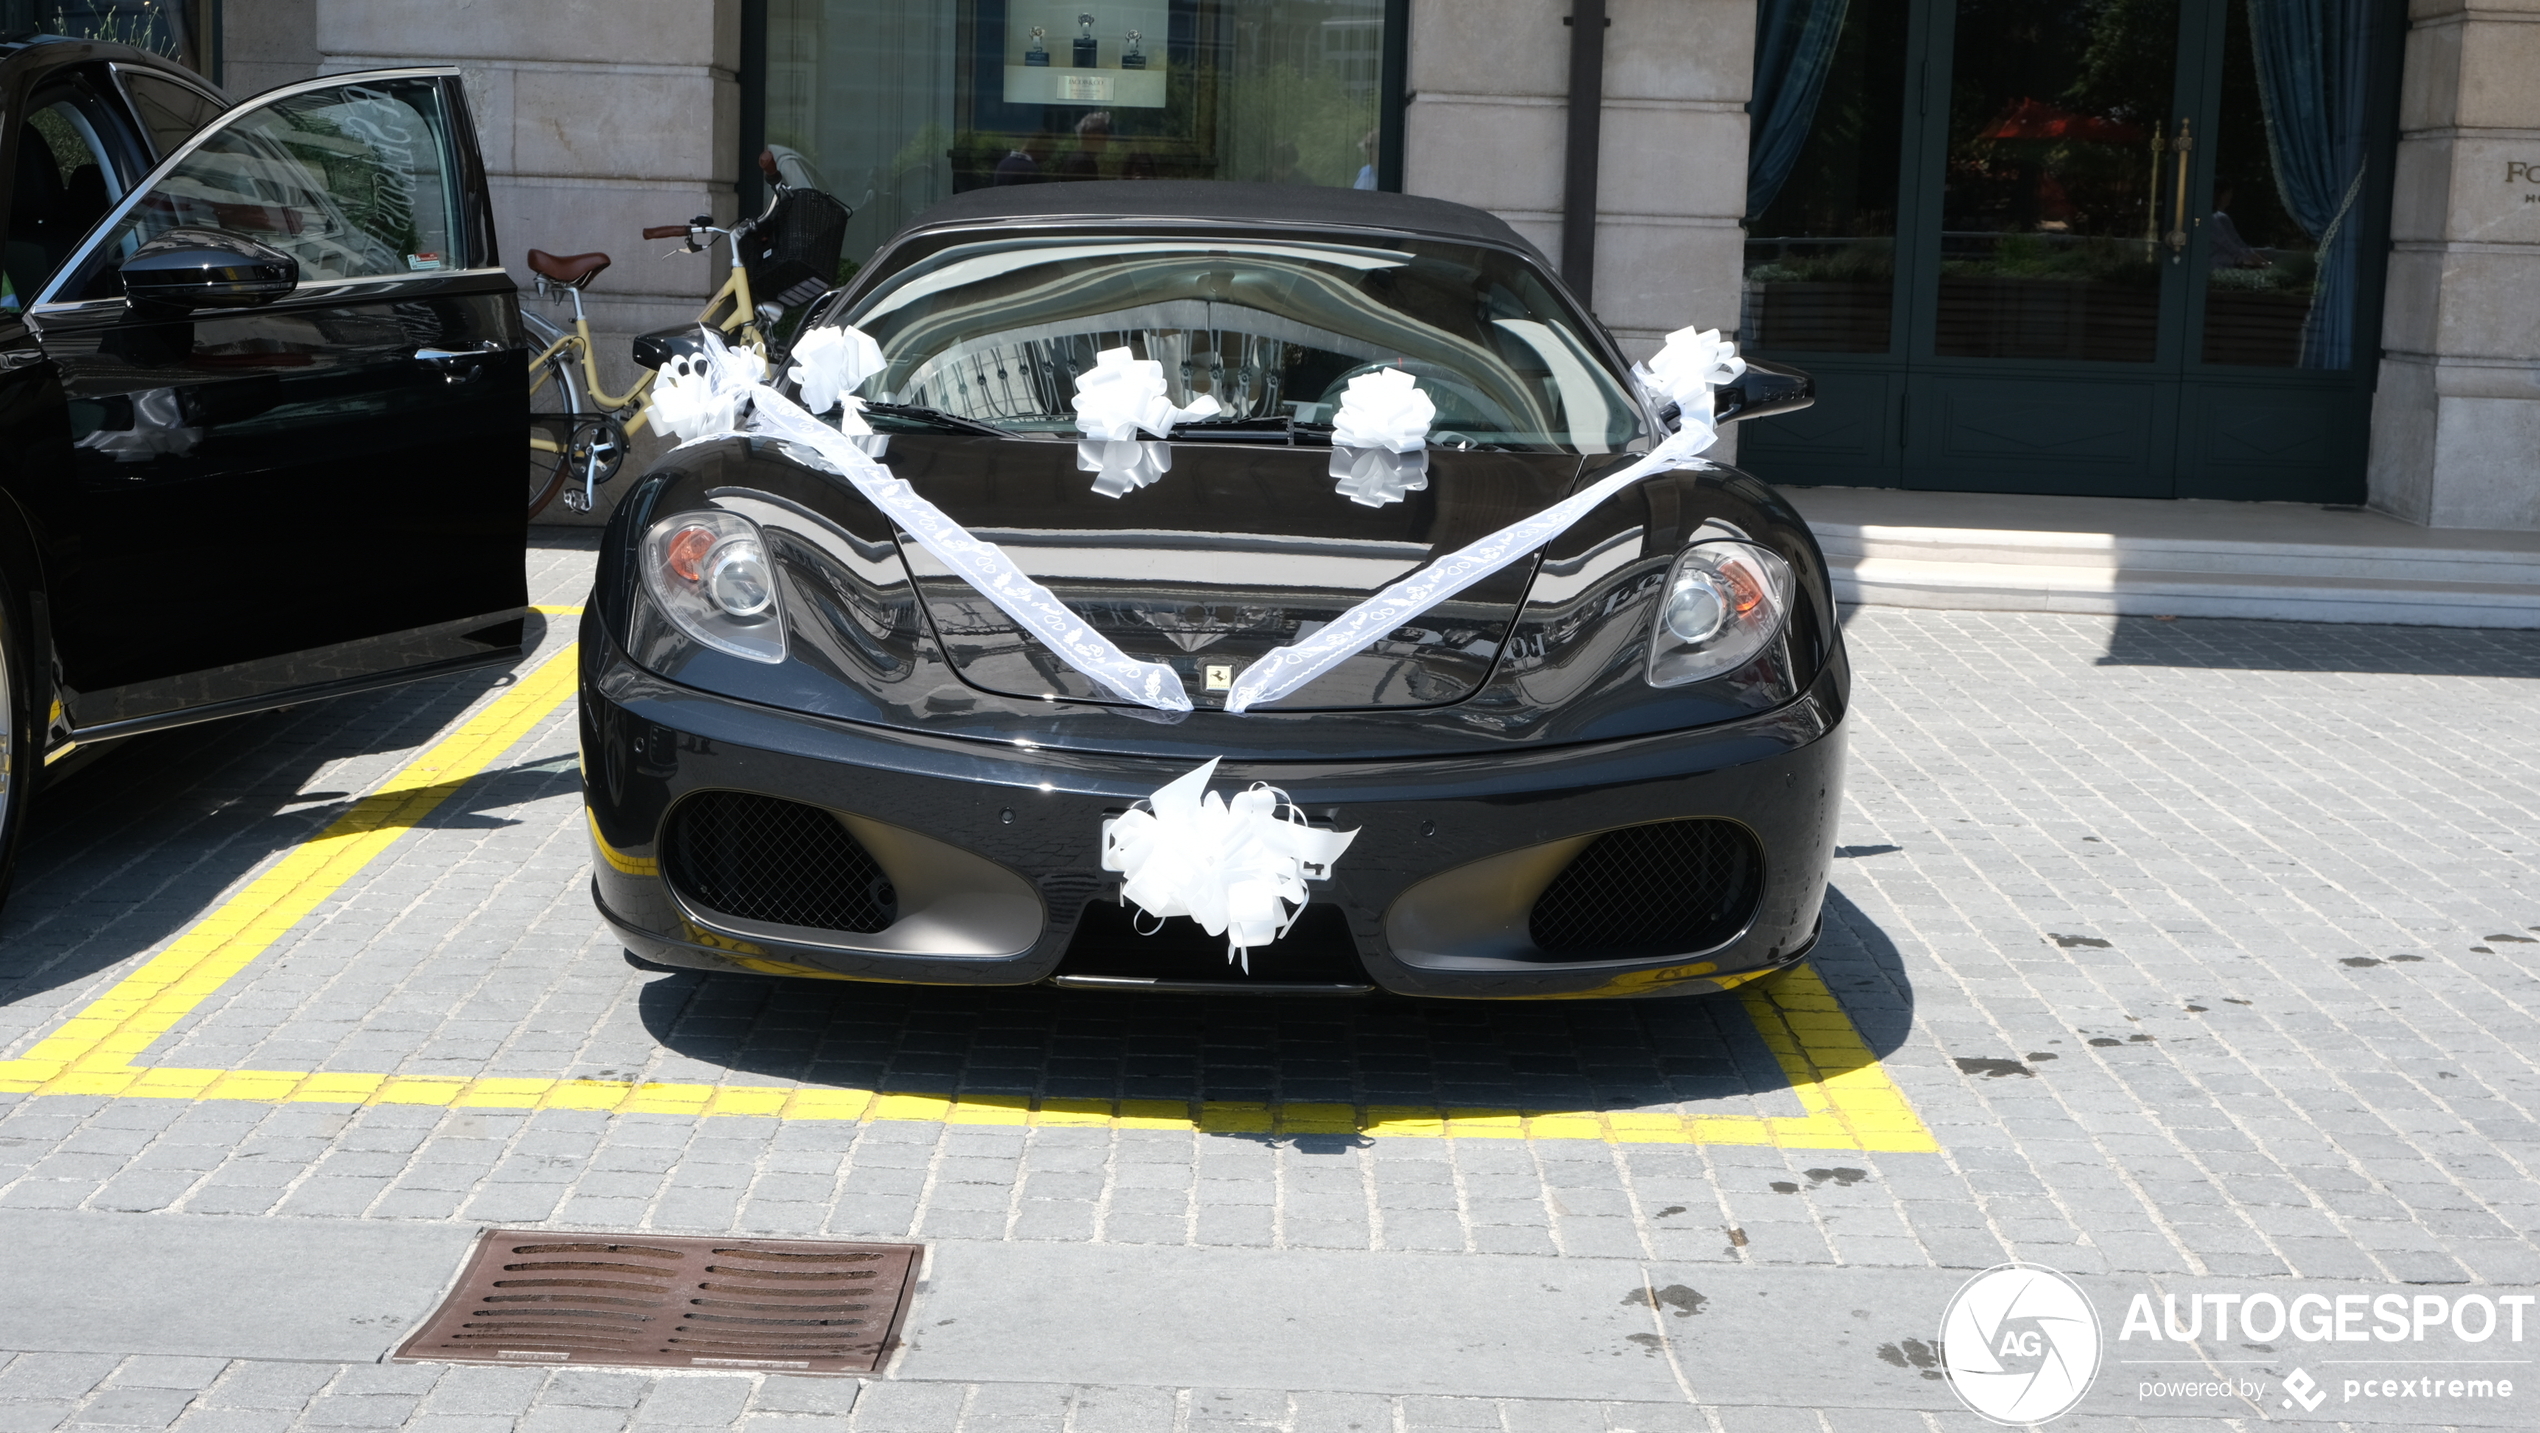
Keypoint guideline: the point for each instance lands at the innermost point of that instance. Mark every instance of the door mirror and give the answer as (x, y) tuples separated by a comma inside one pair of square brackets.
[(205, 268), (1764, 390)]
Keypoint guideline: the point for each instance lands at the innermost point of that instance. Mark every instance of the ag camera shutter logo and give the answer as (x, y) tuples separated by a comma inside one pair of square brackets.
[(2021, 1343)]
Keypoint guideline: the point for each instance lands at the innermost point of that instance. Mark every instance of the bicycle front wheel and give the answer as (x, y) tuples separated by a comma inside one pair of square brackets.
[(556, 414)]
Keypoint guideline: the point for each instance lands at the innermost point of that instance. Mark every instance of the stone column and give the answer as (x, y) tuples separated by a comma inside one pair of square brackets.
[(1488, 106), (597, 118), (270, 43), (2456, 422)]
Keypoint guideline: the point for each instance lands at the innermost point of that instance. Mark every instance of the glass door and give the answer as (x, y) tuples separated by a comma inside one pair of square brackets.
[(2048, 295), (2125, 250)]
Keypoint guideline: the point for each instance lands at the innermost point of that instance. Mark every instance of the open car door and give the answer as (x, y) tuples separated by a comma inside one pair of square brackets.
[(297, 391)]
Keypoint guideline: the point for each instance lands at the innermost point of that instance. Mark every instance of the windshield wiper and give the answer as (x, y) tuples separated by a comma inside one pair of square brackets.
[(1279, 429), (936, 418)]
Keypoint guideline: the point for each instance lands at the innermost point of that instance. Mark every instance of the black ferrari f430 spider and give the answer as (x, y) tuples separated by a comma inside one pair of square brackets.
[(812, 746)]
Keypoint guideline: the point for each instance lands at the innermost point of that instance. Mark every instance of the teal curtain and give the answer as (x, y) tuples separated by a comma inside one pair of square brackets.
[(2314, 64), (1794, 47)]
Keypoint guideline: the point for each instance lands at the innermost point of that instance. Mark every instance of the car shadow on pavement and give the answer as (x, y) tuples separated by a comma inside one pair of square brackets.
[(139, 846), (1700, 1054), (2322, 647)]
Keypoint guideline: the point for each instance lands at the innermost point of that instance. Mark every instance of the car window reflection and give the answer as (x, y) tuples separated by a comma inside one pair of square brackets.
[(997, 332)]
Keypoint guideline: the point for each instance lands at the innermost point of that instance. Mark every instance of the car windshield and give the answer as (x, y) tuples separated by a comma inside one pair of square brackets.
[(1272, 329)]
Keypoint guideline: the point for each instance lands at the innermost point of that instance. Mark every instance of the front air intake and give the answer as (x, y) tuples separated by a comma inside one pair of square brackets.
[(1671, 888), (762, 858)]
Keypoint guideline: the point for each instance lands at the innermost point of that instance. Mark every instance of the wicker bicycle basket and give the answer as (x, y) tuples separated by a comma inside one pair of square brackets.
[(791, 251)]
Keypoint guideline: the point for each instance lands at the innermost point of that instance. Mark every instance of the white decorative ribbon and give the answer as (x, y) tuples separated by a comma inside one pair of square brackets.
[(1287, 668), (1373, 477), (1380, 438), (829, 365), (983, 565), (1124, 465), (1693, 362), (700, 395), (1687, 365), (1384, 409), (1236, 867), (1683, 372), (1121, 395)]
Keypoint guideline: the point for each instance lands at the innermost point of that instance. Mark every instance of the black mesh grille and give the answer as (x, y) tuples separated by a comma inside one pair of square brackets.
[(1666, 889), (766, 859)]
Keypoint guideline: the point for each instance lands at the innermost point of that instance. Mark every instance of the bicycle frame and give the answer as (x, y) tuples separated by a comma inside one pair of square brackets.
[(742, 319)]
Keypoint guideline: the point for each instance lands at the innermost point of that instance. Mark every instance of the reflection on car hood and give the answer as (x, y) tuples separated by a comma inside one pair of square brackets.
[(1237, 549)]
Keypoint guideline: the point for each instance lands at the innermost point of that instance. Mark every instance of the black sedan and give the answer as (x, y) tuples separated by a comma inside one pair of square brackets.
[(812, 746), (262, 397)]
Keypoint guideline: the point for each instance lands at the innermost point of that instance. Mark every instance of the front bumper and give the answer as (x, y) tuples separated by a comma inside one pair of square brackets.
[(1035, 814)]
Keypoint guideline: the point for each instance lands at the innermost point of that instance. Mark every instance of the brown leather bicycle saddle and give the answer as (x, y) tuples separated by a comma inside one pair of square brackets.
[(573, 269)]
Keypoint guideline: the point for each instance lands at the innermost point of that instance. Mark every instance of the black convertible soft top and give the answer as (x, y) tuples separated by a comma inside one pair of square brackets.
[(1218, 201)]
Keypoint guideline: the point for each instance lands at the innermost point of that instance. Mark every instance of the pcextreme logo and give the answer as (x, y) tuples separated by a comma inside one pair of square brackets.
[(2021, 1343)]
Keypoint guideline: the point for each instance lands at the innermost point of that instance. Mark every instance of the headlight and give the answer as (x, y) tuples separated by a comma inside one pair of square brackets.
[(1723, 603), (710, 574)]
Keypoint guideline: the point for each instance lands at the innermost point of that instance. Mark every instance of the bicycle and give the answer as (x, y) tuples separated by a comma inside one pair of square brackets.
[(793, 245)]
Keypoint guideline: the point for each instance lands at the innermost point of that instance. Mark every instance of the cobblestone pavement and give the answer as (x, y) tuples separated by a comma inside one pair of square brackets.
[(2204, 949)]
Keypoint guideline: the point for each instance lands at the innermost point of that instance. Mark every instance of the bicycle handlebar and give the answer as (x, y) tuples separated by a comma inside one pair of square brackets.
[(666, 231)]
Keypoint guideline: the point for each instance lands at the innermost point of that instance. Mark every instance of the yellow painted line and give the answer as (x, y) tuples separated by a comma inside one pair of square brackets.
[(1849, 1102), (555, 611), (93, 1052)]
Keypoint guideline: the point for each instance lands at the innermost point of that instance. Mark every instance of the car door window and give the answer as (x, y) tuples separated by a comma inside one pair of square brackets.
[(75, 159), (354, 180), (170, 111)]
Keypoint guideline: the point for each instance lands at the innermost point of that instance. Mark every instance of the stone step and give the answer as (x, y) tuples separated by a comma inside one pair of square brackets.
[(2282, 561)]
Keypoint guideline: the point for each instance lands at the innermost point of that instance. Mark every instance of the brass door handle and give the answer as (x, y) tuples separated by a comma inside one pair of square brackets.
[(2176, 238)]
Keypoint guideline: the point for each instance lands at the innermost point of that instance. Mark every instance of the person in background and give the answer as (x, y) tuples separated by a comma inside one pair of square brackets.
[(1366, 172), (2230, 251), (1023, 163), (1093, 136)]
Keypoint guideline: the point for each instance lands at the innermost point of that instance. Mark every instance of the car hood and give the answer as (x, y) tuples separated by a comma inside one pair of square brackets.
[(1236, 549)]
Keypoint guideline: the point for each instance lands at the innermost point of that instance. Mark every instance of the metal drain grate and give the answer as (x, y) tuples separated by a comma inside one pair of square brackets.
[(786, 1305)]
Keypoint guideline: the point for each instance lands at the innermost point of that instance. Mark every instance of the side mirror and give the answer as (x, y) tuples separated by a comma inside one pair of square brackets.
[(186, 269), (1764, 390)]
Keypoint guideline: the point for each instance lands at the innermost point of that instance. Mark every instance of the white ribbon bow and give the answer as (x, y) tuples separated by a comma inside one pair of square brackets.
[(1380, 438), (1693, 362), (1123, 466), (1373, 477), (1384, 409), (1122, 395), (1235, 867), (702, 395), (829, 365)]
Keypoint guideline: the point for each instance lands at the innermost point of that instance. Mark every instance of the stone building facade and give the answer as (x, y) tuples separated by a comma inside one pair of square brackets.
[(601, 116)]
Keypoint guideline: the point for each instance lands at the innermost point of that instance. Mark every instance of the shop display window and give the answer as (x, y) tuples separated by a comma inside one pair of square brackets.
[(893, 107)]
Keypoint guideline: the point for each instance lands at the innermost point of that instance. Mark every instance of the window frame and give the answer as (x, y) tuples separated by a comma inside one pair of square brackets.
[(474, 225), (124, 72)]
